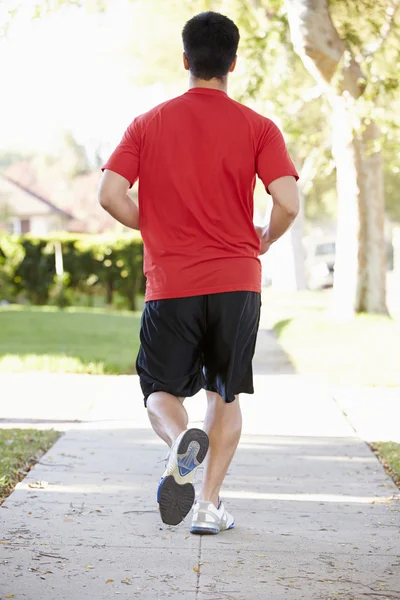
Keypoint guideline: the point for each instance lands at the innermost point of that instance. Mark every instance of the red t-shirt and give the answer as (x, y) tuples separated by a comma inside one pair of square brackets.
[(197, 157)]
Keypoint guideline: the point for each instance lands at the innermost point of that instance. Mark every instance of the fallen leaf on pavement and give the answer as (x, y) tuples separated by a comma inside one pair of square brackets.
[(40, 485), (127, 581), (89, 567), (110, 581), (196, 569)]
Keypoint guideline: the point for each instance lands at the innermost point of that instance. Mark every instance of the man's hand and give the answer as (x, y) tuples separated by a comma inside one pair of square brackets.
[(285, 208), (262, 233)]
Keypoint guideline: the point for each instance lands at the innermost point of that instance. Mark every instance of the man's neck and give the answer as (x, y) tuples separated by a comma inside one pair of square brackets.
[(210, 84)]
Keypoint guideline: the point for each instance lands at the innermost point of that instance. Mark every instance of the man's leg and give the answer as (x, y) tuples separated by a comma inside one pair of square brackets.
[(170, 356), (232, 324), (189, 447), (223, 423), (167, 415)]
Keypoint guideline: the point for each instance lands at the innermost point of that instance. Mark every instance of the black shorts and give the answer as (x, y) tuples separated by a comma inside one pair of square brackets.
[(199, 342)]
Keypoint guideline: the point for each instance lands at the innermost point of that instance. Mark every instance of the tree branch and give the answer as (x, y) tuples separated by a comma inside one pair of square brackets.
[(317, 42), (308, 96)]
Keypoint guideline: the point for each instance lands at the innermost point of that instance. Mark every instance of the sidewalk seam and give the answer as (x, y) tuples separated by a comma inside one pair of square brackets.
[(346, 416), (199, 571)]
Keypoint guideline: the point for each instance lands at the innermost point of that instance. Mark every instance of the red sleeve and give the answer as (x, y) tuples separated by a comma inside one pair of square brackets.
[(125, 158), (273, 160)]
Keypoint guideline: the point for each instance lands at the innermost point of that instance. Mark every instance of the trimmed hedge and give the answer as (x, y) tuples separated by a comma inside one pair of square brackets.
[(92, 265)]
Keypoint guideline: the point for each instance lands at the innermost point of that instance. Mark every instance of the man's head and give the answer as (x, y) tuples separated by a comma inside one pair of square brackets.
[(210, 41)]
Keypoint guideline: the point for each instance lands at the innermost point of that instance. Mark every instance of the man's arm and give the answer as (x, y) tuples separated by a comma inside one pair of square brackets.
[(278, 173), (286, 204), (114, 199), (119, 174)]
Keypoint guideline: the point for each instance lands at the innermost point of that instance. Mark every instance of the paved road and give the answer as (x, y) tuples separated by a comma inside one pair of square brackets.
[(317, 517)]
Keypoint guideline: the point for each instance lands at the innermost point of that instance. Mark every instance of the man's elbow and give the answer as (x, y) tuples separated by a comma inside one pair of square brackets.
[(293, 209), (104, 199), (291, 206)]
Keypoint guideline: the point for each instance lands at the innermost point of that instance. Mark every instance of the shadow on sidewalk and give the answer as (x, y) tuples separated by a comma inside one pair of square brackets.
[(270, 358)]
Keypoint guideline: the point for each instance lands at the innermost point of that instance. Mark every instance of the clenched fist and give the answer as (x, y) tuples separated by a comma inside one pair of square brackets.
[(262, 233)]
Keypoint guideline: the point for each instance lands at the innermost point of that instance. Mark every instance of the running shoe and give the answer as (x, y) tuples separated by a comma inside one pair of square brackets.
[(210, 520), (176, 493)]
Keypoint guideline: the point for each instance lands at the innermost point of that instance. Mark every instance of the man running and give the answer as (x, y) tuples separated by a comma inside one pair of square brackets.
[(197, 157)]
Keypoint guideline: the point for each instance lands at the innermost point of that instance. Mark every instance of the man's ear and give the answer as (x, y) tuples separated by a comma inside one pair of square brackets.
[(185, 62), (233, 65)]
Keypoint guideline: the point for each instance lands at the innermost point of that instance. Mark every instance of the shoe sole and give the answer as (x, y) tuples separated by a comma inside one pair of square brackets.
[(176, 495), (204, 531), (196, 530)]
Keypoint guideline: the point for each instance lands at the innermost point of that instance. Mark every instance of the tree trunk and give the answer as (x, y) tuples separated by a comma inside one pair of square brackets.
[(299, 255), (289, 260), (132, 296), (360, 272), (360, 267), (348, 224), (288, 272), (307, 174), (109, 292), (371, 288)]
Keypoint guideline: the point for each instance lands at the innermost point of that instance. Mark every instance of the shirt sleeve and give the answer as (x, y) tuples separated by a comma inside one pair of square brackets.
[(126, 157), (273, 160)]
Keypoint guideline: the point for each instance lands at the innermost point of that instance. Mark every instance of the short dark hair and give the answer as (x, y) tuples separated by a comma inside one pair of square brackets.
[(210, 41)]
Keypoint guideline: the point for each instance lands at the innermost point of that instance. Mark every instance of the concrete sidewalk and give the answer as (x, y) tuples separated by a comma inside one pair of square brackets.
[(317, 517)]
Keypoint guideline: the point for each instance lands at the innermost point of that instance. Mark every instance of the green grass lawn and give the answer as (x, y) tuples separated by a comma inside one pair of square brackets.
[(363, 351), (389, 454), (19, 450), (74, 340)]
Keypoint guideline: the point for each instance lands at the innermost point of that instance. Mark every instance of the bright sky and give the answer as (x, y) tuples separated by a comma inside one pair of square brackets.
[(60, 72)]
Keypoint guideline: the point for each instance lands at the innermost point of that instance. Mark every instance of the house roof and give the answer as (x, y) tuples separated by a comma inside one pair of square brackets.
[(37, 197)]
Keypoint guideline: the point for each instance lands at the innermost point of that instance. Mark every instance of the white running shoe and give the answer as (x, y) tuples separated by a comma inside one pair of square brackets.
[(176, 492), (210, 520)]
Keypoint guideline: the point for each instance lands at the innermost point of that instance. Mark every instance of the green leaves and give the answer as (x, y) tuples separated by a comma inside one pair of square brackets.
[(91, 264)]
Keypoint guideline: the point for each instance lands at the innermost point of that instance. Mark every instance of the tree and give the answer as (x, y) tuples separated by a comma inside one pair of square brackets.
[(274, 81), (335, 58)]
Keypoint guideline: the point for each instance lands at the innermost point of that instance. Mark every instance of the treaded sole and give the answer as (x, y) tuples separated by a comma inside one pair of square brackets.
[(195, 435), (176, 500), (196, 530), (203, 531)]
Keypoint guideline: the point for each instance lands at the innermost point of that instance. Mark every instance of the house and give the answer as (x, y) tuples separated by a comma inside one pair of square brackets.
[(24, 211)]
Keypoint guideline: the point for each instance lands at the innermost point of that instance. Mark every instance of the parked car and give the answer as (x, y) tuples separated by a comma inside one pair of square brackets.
[(320, 263)]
